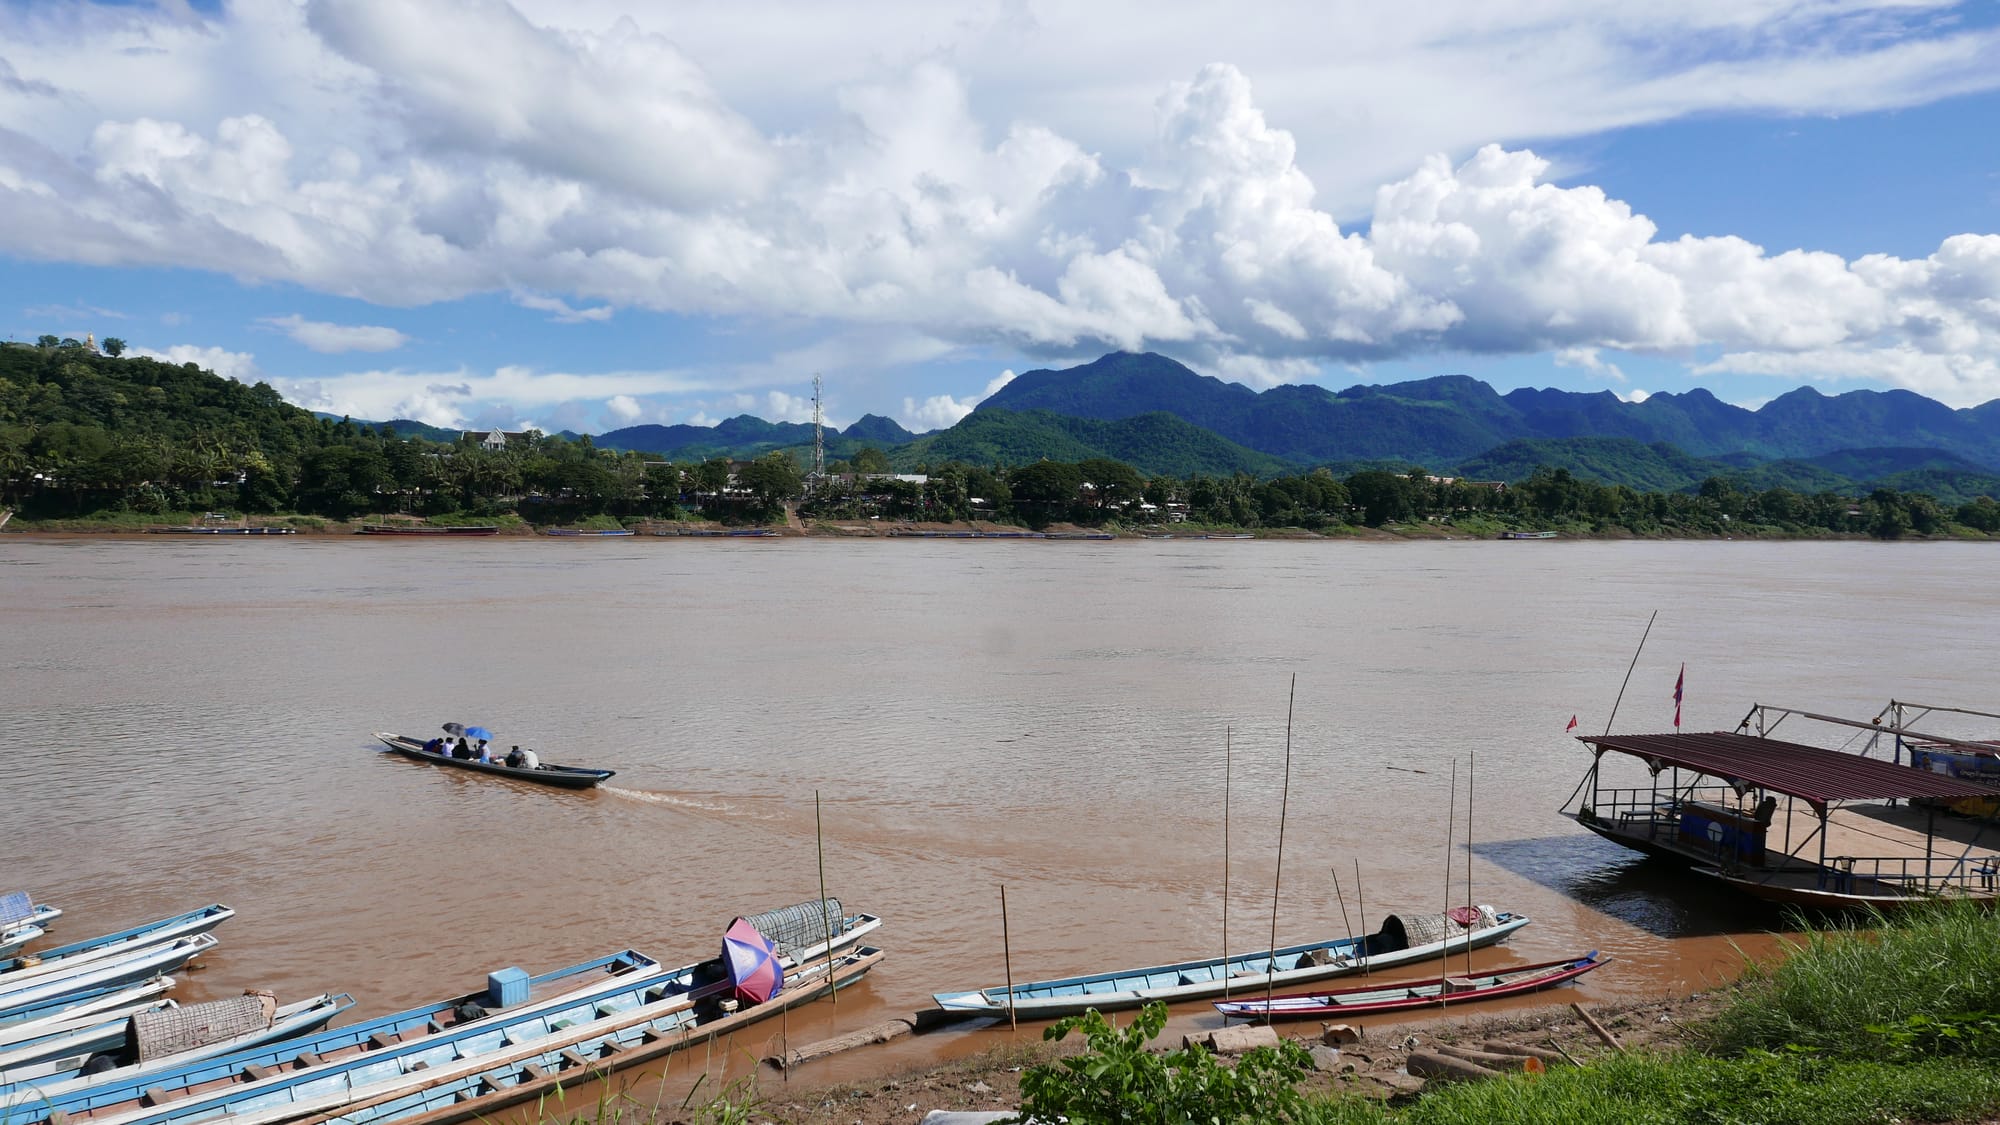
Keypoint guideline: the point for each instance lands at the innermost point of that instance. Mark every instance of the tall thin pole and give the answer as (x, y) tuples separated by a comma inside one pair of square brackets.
[(1450, 830), (1628, 670), (1361, 912), (1342, 896), (1007, 952), (826, 918), (1278, 877), (1470, 910), (1227, 762)]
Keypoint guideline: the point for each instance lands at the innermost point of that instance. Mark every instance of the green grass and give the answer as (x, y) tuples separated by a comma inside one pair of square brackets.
[(1834, 984), (1660, 1089)]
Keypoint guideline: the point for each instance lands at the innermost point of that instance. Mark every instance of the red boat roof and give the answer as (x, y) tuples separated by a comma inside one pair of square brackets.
[(1809, 773)]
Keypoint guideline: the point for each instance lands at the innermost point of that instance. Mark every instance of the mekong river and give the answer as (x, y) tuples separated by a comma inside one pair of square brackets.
[(189, 722)]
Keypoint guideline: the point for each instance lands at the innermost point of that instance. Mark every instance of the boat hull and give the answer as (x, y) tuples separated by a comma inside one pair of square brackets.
[(1830, 893), (455, 532), (1209, 980), (559, 777), (1413, 995)]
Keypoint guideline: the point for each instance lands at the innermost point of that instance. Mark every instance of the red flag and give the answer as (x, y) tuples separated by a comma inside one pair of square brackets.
[(1571, 726), (1679, 681)]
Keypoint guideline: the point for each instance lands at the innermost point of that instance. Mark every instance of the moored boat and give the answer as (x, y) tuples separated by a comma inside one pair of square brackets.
[(1402, 940), (462, 531), (29, 1040), (542, 773), (22, 921), (166, 1039), (1727, 810), (581, 533), (30, 995), (1396, 996), (473, 1066)]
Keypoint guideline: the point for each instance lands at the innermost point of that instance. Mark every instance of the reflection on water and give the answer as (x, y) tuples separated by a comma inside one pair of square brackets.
[(1047, 717)]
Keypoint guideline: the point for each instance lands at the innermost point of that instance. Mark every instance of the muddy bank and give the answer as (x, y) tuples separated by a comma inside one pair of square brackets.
[(1372, 1067)]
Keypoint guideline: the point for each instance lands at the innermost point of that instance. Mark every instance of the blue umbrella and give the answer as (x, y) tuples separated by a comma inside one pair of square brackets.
[(480, 733)]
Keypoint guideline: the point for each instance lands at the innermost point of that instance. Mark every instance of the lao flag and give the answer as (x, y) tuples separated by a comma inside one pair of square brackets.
[(1571, 726), (1679, 682)]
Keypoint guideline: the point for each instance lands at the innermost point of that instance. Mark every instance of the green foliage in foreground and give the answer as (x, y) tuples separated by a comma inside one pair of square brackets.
[(1662, 1089), (1896, 1022), (1117, 1079), (1918, 984)]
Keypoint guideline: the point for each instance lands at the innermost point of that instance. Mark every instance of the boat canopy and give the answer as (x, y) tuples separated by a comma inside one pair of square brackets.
[(1809, 773)]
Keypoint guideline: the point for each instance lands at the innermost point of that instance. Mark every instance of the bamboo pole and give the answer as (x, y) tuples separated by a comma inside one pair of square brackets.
[(1361, 912), (1450, 829), (1278, 876), (1227, 763), (826, 919), (1470, 910), (1007, 953)]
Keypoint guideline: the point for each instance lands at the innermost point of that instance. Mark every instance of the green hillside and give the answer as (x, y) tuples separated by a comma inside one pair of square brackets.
[(1151, 443)]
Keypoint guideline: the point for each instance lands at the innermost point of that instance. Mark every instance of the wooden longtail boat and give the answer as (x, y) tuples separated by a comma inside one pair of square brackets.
[(103, 1016), (1714, 799), (573, 984), (474, 1066), (169, 1040), (466, 531), (36, 997), (1399, 996), (547, 773), (1400, 941)]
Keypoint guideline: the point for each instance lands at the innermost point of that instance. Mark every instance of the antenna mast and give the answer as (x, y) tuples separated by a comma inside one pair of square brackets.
[(819, 433)]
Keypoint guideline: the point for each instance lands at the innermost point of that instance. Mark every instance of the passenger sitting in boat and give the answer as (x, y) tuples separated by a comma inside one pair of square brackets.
[(530, 760), (481, 752), (434, 746), (514, 757), (463, 751)]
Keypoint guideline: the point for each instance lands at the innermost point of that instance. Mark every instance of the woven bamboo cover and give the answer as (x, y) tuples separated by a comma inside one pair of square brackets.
[(797, 927), (173, 1030)]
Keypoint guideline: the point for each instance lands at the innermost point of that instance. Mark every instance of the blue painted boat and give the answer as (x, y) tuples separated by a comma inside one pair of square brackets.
[(194, 1032), (22, 921), (579, 533), (30, 994), (475, 1076), (98, 1025), (49, 962), (575, 983), (1400, 941), (280, 1082)]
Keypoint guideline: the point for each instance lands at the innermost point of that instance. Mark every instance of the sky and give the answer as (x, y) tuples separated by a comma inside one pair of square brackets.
[(588, 214)]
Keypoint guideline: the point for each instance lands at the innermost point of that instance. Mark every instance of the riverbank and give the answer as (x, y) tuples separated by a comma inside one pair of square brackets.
[(514, 528), (1372, 1068), (1900, 1022)]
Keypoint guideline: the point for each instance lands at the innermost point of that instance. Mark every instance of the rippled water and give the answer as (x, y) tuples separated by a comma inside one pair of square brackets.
[(190, 722)]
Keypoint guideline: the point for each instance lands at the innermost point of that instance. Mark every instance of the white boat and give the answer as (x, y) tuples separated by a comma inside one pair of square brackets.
[(100, 1019), (173, 1038), (33, 995), (1400, 941), (22, 921)]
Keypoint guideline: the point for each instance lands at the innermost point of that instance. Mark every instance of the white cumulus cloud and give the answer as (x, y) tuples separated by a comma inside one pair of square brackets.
[(240, 366), (939, 412), (332, 339)]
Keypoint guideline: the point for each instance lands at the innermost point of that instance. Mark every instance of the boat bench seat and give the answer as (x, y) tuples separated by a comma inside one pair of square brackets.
[(1459, 984)]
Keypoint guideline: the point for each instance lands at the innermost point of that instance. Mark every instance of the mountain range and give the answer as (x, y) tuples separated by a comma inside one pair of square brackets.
[(1161, 417)]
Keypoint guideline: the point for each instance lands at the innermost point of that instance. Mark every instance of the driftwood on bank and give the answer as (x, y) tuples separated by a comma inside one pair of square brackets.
[(1429, 1065), (1492, 1060), (1597, 1029), (880, 1033), (1233, 1040), (1547, 1056)]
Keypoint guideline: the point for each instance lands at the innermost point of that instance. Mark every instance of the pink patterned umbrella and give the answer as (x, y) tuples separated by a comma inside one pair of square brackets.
[(753, 964)]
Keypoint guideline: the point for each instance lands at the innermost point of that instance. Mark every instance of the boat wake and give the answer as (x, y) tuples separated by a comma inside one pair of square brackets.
[(677, 800)]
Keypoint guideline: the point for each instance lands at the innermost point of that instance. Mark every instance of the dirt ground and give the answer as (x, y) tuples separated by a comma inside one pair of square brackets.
[(1372, 1067)]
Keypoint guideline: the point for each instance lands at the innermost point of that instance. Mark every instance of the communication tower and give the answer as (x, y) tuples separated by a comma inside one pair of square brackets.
[(819, 433)]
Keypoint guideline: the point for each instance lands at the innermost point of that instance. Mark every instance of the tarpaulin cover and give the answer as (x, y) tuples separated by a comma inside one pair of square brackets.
[(16, 906), (1807, 772), (754, 973), (791, 928)]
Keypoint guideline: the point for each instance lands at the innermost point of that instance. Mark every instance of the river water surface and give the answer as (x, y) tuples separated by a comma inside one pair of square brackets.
[(189, 722)]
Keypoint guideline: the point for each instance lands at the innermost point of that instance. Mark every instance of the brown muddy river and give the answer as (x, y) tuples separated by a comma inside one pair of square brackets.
[(189, 722)]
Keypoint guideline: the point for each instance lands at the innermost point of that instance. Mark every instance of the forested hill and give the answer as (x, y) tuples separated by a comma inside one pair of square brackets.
[(1448, 418)]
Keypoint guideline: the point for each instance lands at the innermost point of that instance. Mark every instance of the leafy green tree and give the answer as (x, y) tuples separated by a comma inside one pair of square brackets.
[(1117, 1079), (771, 480), (47, 341), (1384, 497), (871, 460), (1045, 491), (114, 347)]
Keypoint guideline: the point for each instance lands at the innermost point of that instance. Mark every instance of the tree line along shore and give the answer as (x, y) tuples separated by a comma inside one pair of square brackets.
[(91, 441)]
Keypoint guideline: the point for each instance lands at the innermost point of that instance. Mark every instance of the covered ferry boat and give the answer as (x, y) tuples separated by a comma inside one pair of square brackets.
[(1760, 814)]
